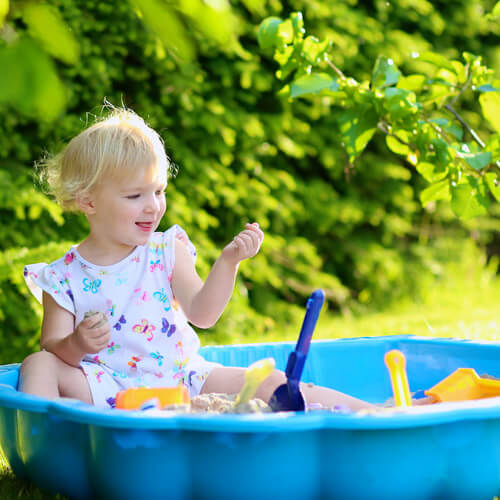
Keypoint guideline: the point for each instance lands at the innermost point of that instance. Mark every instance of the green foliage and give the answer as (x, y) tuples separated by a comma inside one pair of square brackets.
[(349, 223), (417, 114)]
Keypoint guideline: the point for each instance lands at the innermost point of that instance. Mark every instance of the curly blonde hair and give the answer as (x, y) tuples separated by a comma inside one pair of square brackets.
[(116, 146)]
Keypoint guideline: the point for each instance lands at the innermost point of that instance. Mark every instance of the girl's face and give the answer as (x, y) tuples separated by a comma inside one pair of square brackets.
[(124, 213)]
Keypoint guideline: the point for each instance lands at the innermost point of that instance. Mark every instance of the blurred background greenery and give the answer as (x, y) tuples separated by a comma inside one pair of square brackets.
[(194, 71)]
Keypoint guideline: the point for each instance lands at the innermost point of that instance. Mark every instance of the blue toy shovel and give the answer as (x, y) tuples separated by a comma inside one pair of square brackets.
[(287, 397)]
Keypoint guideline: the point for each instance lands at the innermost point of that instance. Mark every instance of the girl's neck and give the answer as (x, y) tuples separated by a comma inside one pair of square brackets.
[(103, 254)]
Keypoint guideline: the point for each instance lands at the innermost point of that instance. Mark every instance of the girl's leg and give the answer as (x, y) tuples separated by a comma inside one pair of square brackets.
[(44, 374), (230, 380)]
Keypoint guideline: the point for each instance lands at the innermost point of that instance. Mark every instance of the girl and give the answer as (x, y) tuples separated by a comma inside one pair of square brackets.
[(117, 306)]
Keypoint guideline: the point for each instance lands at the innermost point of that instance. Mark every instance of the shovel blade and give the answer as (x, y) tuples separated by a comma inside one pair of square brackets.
[(285, 400)]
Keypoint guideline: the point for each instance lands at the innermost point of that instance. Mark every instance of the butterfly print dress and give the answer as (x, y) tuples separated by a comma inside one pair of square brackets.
[(152, 344)]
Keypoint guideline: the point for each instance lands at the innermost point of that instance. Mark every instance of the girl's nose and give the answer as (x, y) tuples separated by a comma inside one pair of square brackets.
[(152, 204)]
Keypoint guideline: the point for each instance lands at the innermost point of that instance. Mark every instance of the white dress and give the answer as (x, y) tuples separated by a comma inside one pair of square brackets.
[(152, 344)]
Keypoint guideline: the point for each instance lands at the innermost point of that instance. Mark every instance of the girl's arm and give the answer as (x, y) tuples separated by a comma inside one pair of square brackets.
[(203, 303), (68, 343)]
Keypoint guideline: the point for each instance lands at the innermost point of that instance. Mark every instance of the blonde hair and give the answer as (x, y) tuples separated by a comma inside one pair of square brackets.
[(116, 146)]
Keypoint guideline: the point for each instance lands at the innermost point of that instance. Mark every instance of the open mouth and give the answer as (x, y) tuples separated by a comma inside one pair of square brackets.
[(144, 226)]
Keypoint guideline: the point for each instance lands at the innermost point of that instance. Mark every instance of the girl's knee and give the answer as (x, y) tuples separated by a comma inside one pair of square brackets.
[(41, 358), (270, 384)]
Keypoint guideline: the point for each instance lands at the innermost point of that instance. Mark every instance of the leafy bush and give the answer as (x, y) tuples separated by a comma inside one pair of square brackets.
[(244, 151)]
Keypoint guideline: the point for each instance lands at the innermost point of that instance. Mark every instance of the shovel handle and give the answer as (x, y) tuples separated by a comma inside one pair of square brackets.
[(297, 358)]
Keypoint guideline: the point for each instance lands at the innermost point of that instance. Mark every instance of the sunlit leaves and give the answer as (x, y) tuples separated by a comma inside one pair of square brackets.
[(312, 84), (415, 83), (477, 160), (46, 25), (493, 145), (431, 172), (314, 50), (490, 105), (400, 103), (357, 127), (268, 32), (402, 107), (469, 198), (385, 73), (4, 10), (438, 191), (448, 127), (175, 26), (437, 60), (493, 184), (399, 142), (165, 23), (33, 85), (212, 19)]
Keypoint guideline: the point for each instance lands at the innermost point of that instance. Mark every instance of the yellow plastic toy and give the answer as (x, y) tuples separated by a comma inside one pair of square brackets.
[(132, 399), (396, 364), (256, 374), (464, 384)]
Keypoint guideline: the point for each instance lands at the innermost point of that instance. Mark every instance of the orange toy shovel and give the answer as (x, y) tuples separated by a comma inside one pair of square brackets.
[(464, 384)]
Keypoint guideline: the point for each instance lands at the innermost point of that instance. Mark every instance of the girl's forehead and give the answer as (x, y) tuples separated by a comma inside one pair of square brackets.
[(145, 177)]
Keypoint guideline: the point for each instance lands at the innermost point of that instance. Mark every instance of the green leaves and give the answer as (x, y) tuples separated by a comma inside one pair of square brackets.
[(167, 26), (357, 127), (313, 84), (267, 33), (437, 60), (385, 73), (469, 198), (33, 85), (438, 191), (490, 105), (491, 180), (46, 25), (4, 10), (403, 107), (477, 160)]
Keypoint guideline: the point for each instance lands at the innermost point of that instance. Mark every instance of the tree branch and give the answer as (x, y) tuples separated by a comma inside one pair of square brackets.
[(337, 70), (464, 88), (472, 132), (383, 127)]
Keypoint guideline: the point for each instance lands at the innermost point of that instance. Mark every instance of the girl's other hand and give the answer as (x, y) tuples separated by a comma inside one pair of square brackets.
[(245, 244), (93, 333)]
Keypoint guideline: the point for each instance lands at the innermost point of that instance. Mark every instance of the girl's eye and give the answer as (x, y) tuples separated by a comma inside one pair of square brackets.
[(133, 197), (159, 193)]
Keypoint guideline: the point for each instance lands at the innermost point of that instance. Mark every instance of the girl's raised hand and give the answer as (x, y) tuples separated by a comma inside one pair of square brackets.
[(93, 333), (245, 244)]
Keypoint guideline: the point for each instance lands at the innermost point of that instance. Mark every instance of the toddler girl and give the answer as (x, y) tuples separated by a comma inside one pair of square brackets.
[(117, 306)]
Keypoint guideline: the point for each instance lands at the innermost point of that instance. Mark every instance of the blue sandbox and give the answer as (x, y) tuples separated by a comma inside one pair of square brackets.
[(450, 450)]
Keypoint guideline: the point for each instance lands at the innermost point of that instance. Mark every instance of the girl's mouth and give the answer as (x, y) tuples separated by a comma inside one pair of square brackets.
[(144, 226)]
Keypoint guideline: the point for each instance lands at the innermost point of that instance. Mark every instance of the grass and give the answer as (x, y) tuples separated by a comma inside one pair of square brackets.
[(12, 488), (464, 305)]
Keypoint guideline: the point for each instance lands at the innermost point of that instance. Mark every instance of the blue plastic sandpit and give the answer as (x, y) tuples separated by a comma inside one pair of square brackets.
[(442, 451)]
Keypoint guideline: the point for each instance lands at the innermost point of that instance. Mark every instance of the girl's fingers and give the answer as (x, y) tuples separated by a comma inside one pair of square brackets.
[(247, 240), (254, 239), (255, 229)]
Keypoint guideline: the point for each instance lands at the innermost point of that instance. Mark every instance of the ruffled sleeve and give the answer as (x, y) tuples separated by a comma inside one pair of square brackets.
[(181, 235), (176, 233), (48, 278)]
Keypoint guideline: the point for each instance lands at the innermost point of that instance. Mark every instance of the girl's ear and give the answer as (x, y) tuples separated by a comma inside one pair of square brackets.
[(86, 203)]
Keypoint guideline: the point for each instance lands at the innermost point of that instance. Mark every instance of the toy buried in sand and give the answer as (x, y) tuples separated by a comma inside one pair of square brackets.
[(462, 385), (177, 398), (134, 398)]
